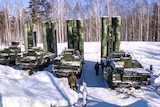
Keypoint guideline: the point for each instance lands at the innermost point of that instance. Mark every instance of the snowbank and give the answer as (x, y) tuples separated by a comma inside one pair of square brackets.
[(157, 81), (39, 90)]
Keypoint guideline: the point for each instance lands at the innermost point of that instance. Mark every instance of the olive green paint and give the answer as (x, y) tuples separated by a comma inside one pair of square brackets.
[(105, 23), (116, 22), (26, 36), (81, 36), (34, 35), (49, 36), (54, 36), (110, 40), (110, 37), (75, 35), (44, 36), (70, 25)]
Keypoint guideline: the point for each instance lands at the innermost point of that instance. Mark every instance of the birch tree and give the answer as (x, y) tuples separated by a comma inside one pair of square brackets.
[(87, 22), (59, 9), (155, 22), (140, 20), (158, 11), (148, 13), (7, 25), (19, 15)]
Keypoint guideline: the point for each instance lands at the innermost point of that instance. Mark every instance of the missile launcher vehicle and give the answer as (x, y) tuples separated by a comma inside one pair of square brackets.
[(70, 61), (35, 59), (9, 55), (123, 70)]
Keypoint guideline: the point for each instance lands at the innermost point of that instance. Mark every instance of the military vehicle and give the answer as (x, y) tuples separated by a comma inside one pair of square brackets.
[(9, 55), (34, 58), (70, 61), (110, 37), (123, 70), (75, 35)]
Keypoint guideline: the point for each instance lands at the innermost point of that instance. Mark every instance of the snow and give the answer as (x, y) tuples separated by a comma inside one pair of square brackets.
[(39, 90), (42, 89), (29, 58)]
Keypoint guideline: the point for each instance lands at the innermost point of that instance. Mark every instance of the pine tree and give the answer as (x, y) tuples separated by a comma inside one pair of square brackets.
[(39, 10)]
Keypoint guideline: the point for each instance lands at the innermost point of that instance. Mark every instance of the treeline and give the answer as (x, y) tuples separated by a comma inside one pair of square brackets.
[(140, 19)]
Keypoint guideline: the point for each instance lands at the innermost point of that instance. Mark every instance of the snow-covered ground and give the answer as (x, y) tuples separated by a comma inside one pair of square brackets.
[(44, 90)]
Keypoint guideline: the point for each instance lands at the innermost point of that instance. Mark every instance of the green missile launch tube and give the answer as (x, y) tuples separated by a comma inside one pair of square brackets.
[(44, 36), (48, 37), (34, 35), (54, 37), (26, 29), (81, 36), (105, 24), (70, 25), (116, 22)]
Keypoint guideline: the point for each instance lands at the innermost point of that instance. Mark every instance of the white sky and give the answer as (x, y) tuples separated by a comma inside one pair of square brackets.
[(43, 89)]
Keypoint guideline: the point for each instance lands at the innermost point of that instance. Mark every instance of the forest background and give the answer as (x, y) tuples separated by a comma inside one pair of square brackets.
[(140, 19)]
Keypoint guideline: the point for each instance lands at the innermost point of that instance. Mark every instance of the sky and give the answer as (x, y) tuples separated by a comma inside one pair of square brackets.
[(42, 89), (26, 2)]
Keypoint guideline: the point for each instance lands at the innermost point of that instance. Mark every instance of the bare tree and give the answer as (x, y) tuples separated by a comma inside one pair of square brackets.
[(87, 22), (140, 19), (148, 9), (158, 33), (6, 18), (108, 7), (60, 12), (97, 10), (19, 18), (155, 22)]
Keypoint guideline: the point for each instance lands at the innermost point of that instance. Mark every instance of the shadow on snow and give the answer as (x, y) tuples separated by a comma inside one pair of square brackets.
[(96, 103), (89, 75)]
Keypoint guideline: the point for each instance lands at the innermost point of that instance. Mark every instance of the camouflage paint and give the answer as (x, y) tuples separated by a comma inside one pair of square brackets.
[(26, 29), (110, 40), (54, 40), (105, 23), (70, 25), (110, 37), (75, 36), (44, 32), (30, 36), (116, 22), (34, 35), (81, 36), (48, 37)]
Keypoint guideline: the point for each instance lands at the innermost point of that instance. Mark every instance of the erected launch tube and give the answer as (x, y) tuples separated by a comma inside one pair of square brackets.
[(116, 21), (105, 23), (81, 36), (110, 37), (49, 37)]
